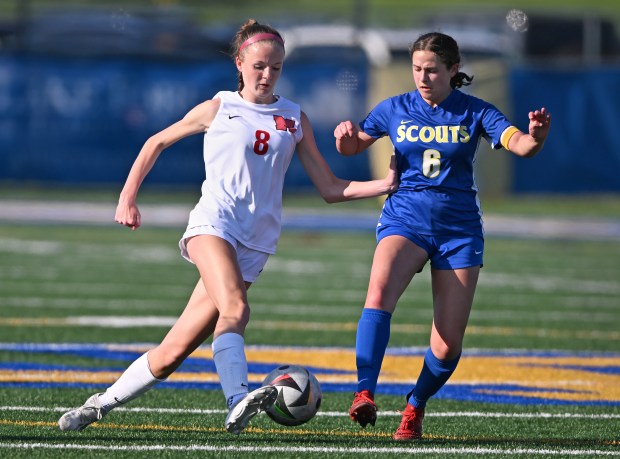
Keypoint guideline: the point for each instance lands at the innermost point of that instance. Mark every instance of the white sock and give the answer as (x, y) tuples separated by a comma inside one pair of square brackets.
[(135, 381), (231, 365)]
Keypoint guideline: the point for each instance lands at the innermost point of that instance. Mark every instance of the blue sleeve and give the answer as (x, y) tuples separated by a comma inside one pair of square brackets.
[(377, 122), (494, 123)]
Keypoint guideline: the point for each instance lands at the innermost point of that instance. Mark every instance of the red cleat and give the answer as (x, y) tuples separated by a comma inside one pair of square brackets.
[(363, 410), (410, 427)]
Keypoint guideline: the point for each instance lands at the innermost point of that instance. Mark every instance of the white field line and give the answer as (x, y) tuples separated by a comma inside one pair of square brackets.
[(175, 216), (448, 414), (528, 452)]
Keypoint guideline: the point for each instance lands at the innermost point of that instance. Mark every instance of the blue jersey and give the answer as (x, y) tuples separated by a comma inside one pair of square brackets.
[(435, 150)]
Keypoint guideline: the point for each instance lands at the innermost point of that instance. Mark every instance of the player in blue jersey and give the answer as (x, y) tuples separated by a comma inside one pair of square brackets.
[(434, 215)]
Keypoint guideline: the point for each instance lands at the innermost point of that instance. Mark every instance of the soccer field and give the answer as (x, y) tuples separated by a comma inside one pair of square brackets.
[(539, 377)]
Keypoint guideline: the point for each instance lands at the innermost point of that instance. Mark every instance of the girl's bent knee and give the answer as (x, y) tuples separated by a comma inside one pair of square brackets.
[(446, 352), (236, 316)]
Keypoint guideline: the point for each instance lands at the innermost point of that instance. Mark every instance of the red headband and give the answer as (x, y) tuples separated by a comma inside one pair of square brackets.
[(259, 37)]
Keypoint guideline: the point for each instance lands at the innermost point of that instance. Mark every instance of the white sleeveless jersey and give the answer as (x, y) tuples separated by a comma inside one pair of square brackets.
[(247, 150)]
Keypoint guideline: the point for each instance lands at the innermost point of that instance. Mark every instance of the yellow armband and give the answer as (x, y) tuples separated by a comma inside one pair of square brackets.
[(507, 135)]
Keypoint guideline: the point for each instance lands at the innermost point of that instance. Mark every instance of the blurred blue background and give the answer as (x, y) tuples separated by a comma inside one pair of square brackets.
[(81, 89)]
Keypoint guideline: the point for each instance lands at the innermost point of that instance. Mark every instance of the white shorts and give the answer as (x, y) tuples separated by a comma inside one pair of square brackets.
[(251, 262)]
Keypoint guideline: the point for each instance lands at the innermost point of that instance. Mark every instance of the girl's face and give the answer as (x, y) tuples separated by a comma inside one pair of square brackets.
[(260, 66), (432, 77)]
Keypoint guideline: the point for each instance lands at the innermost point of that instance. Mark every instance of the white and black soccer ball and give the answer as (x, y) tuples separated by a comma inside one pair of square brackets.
[(299, 395)]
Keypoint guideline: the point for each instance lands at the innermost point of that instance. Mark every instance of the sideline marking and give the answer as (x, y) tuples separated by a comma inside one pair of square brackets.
[(169, 215), (447, 414)]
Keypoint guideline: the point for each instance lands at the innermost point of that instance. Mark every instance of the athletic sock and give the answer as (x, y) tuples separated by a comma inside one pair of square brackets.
[(135, 381), (373, 334), (231, 365), (435, 373)]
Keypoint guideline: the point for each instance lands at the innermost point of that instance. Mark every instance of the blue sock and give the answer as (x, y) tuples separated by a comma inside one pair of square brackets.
[(433, 376), (373, 334)]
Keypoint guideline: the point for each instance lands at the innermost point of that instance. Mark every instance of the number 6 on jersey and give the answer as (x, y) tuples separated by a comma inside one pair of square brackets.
[(430, 163)]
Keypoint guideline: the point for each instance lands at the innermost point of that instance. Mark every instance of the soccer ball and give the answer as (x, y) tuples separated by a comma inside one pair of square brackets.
[(299, 395)]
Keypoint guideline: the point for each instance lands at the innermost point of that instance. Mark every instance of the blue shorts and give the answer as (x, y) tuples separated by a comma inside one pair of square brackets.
[(444, 252)]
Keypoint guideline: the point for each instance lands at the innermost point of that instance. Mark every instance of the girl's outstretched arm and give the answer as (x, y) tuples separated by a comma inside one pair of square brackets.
[(332, 188)]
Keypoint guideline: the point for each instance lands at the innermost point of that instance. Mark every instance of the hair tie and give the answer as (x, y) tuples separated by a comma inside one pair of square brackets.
[(259, 37)]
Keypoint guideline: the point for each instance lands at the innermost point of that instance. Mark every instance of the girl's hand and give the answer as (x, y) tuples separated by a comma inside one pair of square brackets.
[(540, 120), (345, 129), (127, 214), (346, 134)]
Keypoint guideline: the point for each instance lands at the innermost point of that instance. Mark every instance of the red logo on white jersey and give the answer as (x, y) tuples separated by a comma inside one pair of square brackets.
[(284, 124)]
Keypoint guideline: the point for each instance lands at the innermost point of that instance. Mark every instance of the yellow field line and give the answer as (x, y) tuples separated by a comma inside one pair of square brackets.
[(164, 428)]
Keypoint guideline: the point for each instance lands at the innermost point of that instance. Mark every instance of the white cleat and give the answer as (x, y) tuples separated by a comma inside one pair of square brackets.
[(256, 401), (83, 416)]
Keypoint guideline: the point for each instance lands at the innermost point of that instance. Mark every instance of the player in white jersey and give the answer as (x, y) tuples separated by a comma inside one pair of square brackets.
[(434, 215), (250, 138)]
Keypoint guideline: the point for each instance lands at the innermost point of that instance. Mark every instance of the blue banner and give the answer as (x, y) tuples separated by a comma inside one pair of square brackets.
[(581, 154), (80, 120)]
